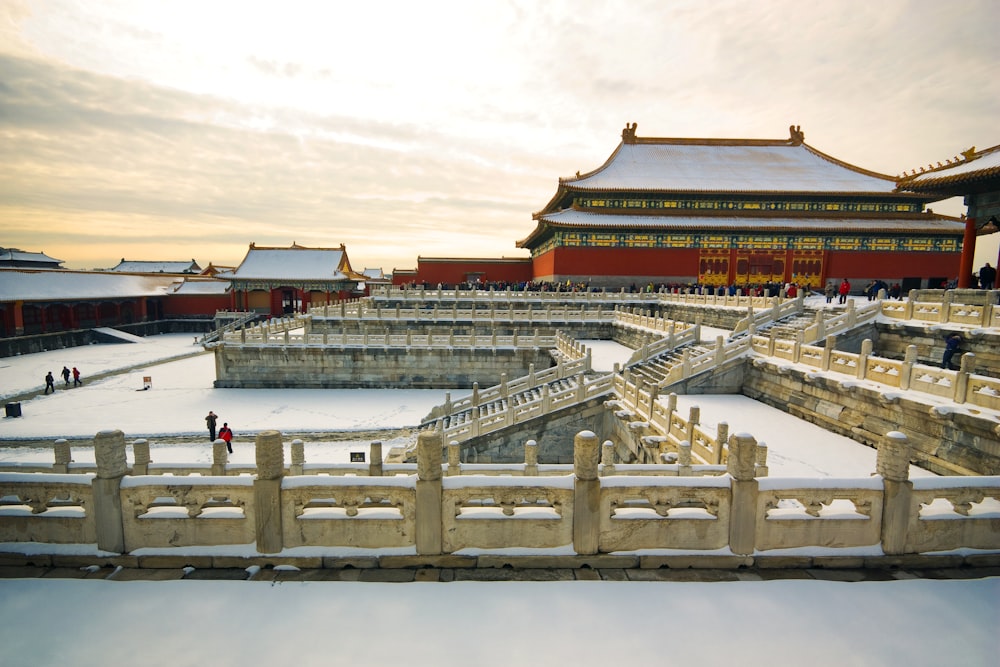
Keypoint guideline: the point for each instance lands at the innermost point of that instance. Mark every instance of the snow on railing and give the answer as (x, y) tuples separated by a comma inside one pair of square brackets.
[(595, 505), (961, 386), (941, 307)]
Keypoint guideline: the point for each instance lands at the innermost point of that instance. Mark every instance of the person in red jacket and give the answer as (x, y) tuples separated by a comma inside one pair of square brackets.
[(845, 289), (226, 434)]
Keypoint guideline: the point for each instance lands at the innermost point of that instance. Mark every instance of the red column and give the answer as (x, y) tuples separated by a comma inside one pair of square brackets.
[(968, 253), (18, 312)]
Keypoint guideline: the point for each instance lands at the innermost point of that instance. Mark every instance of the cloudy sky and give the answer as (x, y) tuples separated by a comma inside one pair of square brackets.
[(177, 130)]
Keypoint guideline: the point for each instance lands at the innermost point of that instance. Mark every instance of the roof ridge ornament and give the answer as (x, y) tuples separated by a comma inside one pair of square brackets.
[(628, 134), (796, 135)]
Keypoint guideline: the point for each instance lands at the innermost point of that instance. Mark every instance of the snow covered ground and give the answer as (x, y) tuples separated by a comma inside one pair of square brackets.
[(789, 622), (182, 394)]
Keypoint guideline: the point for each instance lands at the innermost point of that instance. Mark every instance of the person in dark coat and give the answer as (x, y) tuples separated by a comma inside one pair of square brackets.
[(210, 422), (987, 277), (951, 344), (65, 374), (50, 383)]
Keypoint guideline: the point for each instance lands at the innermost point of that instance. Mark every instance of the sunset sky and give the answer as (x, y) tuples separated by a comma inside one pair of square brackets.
[(187, 130)]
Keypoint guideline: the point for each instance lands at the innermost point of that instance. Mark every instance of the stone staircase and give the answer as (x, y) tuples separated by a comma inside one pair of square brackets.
[(502, 406), (656, 369), (789, 327)]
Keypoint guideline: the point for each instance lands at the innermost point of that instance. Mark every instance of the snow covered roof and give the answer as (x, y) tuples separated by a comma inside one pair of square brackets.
[(294, 263), (14, 257), (923, 224), (156, 267), (373, 274), (727, 165), (976, 166), (62, 285), (202, 287)]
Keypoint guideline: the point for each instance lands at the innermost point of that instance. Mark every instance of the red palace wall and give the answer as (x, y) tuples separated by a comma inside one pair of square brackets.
[(195, 305), (684, 263), (458, 271), (893, 266), (618, 262)]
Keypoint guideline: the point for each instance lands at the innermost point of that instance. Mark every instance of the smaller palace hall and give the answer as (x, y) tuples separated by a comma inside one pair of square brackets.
[(738, 211)]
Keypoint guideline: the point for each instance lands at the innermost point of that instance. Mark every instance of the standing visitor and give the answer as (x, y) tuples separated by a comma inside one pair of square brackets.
[(828, 291), (951, 344), (76, 377), (987, 277), (845, 289), (226, 434), (50, 383), (65, 374), (210, 422)]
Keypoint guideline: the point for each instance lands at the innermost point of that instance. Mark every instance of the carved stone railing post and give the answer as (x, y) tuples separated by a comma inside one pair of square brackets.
[(586, 493), (866, 351), (375, 459), (109, 452), (267, 491), (760, 466), (474, 418), (721, 437), (531, 459), (298, 458), (684, 458), (743, 514), (906, 368), (454, 458), (694, 416), (607, 458), (893, 464), (831, 343), (140, 454), (220, 457), (429, 534), (944, 314), (63, 456), (967, 368)]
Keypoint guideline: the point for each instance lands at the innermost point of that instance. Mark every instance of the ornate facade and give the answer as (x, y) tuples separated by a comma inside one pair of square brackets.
[(281, 281), (743, 211)]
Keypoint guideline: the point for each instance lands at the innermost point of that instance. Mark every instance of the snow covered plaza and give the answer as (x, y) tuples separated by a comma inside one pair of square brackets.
[(817, 616)]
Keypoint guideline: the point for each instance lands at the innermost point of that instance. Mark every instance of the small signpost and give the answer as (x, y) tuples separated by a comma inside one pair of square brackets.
[(357, 457)]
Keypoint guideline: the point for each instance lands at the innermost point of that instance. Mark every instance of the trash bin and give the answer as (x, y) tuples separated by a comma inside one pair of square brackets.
[(13, 409)]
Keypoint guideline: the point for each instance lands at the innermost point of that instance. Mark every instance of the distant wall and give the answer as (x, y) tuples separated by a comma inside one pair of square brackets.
[(276, 366), (10, 347)]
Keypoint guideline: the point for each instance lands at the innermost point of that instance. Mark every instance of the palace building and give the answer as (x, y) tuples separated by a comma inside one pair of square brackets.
[(282, 281), (738, 211)]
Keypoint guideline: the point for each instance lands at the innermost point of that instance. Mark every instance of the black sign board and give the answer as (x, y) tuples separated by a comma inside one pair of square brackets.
[(357, 457)]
